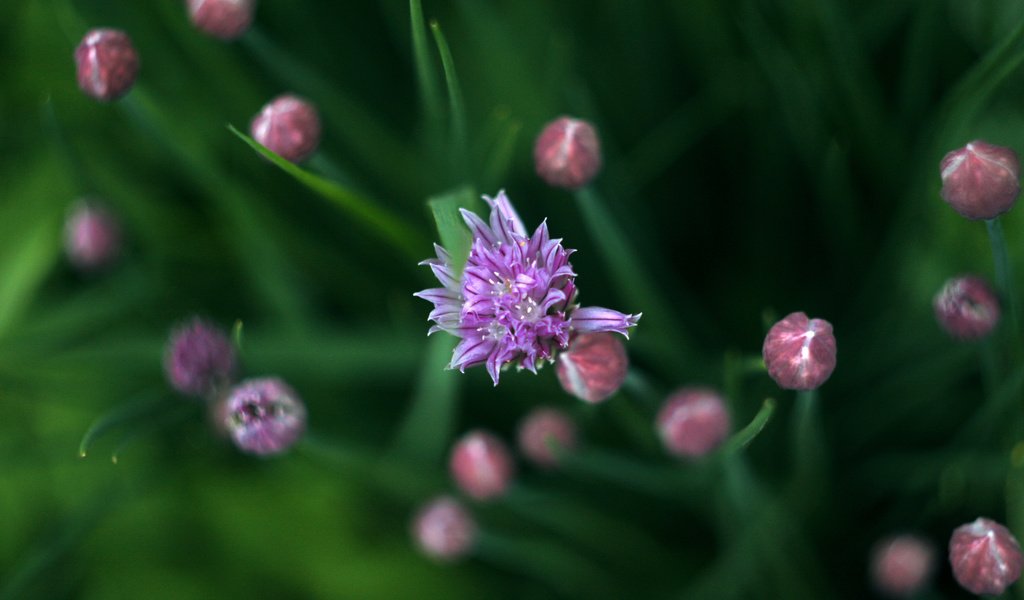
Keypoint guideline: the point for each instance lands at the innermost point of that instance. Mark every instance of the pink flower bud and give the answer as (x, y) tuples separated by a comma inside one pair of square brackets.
[(444, 529), (980, 180), (593, 367), (264, 416), (106, 63), (224, 19), (901, 565), (92, 237), (985, 557), (199, 358), (800, 353), (545, 434), (481, 465), (967, 308), (693, 422), (567, 153), (289, 126)]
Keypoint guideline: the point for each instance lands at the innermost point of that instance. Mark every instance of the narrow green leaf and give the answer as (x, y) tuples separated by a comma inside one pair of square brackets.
[(568, 573), (430, 420), (25, 263), (385, 224), (456, 106), (454, 235), (236, 334), (150, 404), (500, 157), (426, 76), (742, 438)]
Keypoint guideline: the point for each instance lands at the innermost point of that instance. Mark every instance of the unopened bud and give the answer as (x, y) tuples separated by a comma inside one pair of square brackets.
[(443, 529), (980, 180), (106, 63), (263, 416), (545, 434), (223, 19), (901, 565), (567, 153), (967, 308), (593, 367), (800, 353), (199, 358), (288, 125), (985, 557), (481, 465), (92, 237), (693, 422)]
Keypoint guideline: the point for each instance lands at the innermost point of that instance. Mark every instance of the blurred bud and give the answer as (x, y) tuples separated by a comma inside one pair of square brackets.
[(263, 416), (693, 422), (800, 353), (224, 19), (967, 308), (901, 565), (545, 434), (481, 465), (289, 126), (444, 529), (92, 237), (199, 358), (106, 63), (985, 557), (567, 153), (980, 180), (593, 367)]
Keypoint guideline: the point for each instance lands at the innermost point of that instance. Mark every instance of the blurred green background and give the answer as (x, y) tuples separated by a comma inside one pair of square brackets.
[(762, 157)]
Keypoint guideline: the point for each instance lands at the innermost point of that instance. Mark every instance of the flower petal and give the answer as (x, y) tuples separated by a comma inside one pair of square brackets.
[(510, 220), (478, 228), (594, 319), (439, 295), (471, 351)]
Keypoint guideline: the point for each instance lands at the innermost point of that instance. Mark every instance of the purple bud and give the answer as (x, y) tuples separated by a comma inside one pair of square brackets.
[(693, 422), (107, 64), (967, 308), (545, 434), (481, 465), (288, 125), (567, 153), (199, 358), (593, 367), (980, 180), (901, 565), (985, 557), (223, 19), (444, 529), (92, 237), (800, 353), (264, 416)]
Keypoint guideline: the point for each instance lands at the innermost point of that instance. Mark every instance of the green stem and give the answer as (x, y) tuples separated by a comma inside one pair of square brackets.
[(1004, 277), (808, 447)]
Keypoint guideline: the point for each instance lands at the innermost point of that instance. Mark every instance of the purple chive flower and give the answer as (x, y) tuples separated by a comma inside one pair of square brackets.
[(92, 237), (516, 300), (594, 366), (800, 353), (106, 64), (985, 557), (693, 422), (901, 565), (443, 529), (481, 465), (567, 153), (980, 180), (288, 125), (967, 308), (223, 19), (263, 416), (544, 435), (199, 358)]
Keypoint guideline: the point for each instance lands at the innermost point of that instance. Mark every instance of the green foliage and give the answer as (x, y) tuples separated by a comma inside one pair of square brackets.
[(761, 157)]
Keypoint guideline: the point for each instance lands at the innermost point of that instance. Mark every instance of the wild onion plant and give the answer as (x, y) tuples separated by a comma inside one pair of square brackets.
[(215, 367)]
